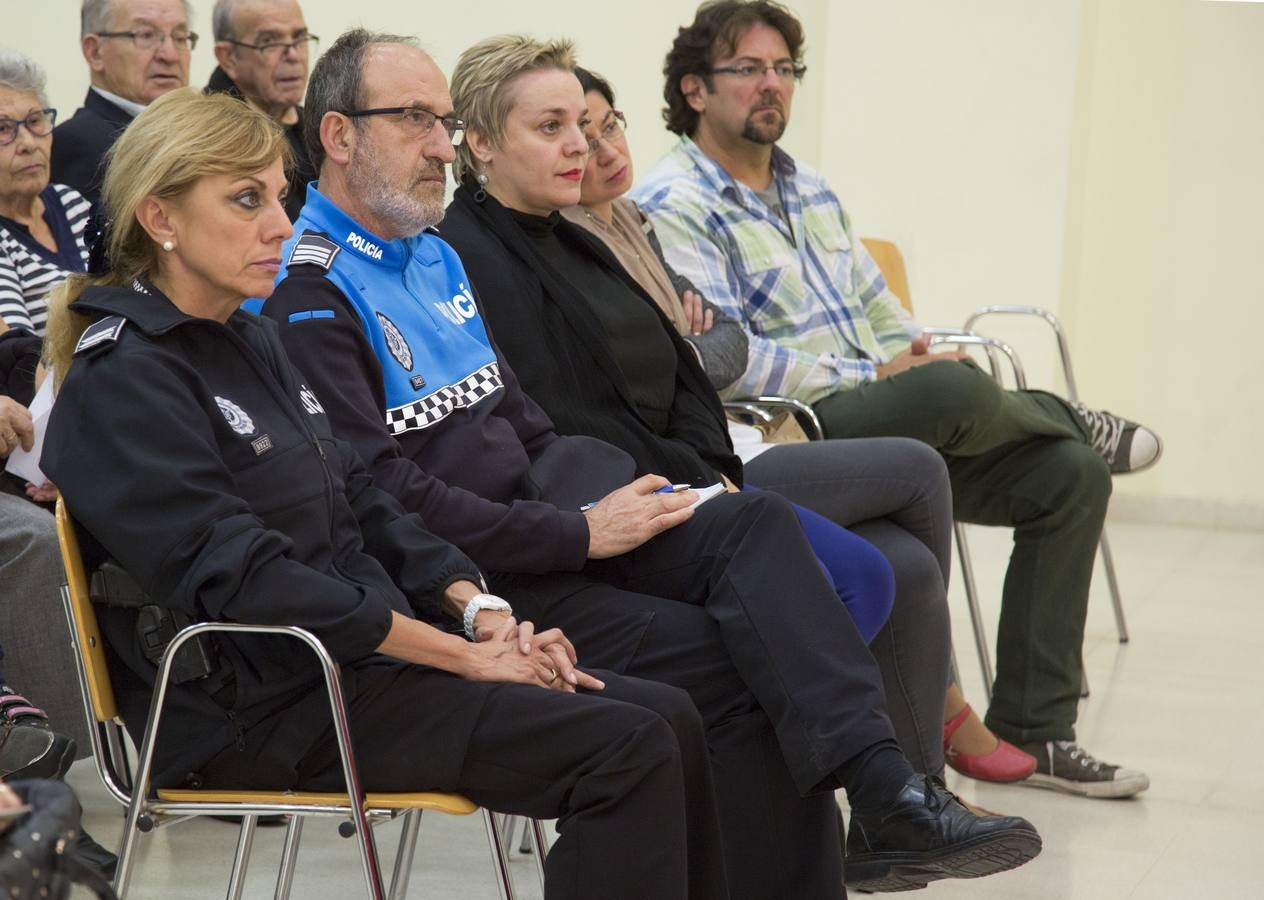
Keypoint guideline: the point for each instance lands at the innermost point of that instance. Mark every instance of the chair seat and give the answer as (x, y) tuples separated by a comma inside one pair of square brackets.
[(452, 804)]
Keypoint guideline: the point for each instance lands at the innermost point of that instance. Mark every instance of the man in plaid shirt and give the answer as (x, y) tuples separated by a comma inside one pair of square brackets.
[(765, 239)]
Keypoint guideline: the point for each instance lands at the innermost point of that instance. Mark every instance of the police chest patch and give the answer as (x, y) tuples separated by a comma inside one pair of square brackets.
[(396, 344), (310, 403), (236, 417)]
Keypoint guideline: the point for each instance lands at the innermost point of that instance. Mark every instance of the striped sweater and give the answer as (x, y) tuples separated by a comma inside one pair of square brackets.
[(29, 270)]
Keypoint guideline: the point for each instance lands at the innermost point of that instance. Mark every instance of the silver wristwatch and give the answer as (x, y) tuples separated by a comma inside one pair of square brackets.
[(478, 603)]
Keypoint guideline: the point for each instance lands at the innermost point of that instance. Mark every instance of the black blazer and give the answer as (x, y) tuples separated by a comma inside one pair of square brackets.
[(80, 143), (562, 355)]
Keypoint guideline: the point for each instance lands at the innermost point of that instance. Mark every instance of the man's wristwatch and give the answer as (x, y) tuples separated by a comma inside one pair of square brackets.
[(477, 604)]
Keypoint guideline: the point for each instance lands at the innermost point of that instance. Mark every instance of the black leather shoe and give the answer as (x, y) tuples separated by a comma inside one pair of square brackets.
[(925, 835), (93, 854)]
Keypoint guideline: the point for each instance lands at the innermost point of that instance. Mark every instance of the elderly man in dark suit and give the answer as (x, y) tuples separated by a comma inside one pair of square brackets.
[(262, 47), (137, 50)]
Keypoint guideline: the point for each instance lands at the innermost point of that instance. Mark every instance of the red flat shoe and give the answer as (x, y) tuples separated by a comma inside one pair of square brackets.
[(1005, 763)]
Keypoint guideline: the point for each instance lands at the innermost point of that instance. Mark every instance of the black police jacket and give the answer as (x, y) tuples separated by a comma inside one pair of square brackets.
[(199, 460)]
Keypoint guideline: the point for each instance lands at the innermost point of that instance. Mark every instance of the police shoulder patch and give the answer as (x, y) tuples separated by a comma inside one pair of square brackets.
[(102, 333), (315, 250)]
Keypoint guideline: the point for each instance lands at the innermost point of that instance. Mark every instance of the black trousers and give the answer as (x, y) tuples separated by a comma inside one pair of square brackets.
[(732, 607), (624, 771)]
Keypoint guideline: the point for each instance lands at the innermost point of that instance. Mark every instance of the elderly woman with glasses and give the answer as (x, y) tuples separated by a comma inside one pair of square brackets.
[(41, 224), (610, 344)]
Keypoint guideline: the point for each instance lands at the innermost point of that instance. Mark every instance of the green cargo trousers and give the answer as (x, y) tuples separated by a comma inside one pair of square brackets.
[(1020, 459)]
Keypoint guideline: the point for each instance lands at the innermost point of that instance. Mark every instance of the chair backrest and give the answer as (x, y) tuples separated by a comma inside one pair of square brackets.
[(891, 261), (91, 647)]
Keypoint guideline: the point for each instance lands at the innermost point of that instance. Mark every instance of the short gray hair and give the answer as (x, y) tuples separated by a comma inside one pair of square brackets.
[(19, 73), (337, 83), (222, 20), (482, 79), (94, 15)]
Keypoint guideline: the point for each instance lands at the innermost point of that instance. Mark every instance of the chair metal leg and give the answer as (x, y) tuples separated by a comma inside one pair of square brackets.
[(504, 883), (541, 848), (289, 858), (1108, 562), (508, 828), (126, 855), (1073, 394), (241, 859), (976, 614), (404, 857)]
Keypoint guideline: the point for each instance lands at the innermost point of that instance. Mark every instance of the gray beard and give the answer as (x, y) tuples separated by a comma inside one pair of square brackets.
[(400, 208)]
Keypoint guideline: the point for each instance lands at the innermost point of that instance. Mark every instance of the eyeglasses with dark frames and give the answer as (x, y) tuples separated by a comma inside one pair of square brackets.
[(149, 38), (417, 120), (38, 122), (276, 49), (610, 132), (748, 71)]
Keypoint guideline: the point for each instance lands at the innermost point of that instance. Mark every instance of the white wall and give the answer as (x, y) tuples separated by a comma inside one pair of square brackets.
[(947, 130), (1100, 158), (1164, 283)]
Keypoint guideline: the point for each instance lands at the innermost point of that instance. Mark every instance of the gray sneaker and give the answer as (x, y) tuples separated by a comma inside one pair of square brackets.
[(1125, 445), (1066, 766)]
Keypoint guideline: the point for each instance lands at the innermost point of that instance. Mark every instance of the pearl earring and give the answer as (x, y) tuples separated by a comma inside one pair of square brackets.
[(168, 245), (481, 194)]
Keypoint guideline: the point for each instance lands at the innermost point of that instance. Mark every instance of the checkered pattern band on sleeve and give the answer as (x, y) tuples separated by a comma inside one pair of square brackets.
[(437, 406)]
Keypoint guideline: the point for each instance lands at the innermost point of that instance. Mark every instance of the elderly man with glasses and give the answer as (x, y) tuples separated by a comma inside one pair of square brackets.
[(137, 50), (263, 48)]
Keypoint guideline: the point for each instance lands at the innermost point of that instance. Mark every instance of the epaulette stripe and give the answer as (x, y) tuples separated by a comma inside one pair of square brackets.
[(314, 250), (100, 332)]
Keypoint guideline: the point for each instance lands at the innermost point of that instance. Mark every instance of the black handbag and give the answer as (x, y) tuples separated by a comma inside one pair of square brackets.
[(577, 469), (37, 858)]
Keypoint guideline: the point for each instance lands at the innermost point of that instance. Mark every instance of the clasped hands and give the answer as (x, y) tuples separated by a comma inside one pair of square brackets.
[(508, 650)]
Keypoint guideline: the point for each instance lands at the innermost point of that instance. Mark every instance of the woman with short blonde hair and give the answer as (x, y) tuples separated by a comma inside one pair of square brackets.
[(483, 88), (590, 347)]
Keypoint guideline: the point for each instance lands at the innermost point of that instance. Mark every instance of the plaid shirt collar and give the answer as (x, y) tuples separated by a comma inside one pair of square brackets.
[(783, 167)]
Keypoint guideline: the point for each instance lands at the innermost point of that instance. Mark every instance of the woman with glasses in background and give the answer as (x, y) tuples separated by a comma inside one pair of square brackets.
[(41, 224)]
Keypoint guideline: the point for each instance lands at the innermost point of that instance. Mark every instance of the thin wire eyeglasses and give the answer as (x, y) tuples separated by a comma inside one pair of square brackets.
[(274, 50), (747, 71), (610, 132), (149, 38), (417, 120)]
